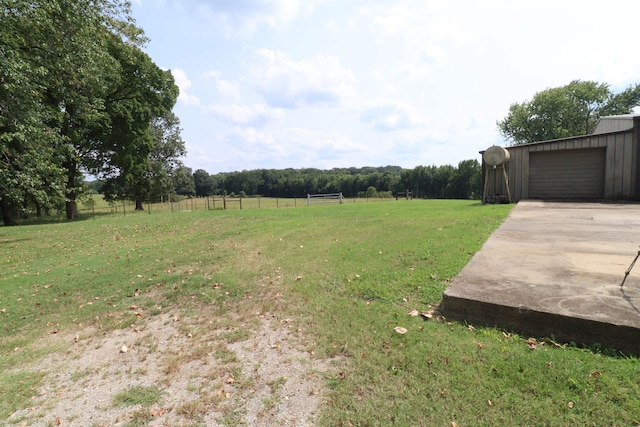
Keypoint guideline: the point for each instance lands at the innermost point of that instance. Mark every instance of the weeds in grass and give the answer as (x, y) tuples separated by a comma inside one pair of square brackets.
[(138, 395)]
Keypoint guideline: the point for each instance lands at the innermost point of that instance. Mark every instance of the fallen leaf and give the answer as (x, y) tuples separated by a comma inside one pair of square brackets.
[(124, 348), (480, 346), (595, 374), (489, 402), (471, 328), (413, 313), (400, 330), (427, 315), (570, 405), (230, 380)]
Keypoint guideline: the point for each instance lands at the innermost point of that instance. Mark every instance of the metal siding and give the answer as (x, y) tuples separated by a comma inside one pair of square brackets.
[(618, 164), (567, 174), (613, 124), (621, 180), (627, 187), (525, 169)]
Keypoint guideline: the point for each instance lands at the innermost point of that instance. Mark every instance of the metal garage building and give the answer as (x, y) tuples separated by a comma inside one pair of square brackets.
[(601, 165)]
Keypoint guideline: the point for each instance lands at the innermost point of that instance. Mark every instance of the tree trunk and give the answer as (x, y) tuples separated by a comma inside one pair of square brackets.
[(7, 216), (71, 207), (139, 206)]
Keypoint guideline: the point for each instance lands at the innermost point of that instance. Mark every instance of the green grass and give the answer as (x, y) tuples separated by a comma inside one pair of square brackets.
[(138, 395), (346, 274)]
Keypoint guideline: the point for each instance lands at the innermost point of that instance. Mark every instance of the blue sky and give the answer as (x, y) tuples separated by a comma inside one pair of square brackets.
[(340, 83)]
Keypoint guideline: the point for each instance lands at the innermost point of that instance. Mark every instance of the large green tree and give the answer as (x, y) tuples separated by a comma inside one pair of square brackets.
[(142, 95), (164, 160), (77, 94), (565, 111), (30, 168), (56, 71)]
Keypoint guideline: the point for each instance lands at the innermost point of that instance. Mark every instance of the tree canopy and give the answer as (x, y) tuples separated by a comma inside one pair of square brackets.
[(77, 94), (566, 111), (446, 181)]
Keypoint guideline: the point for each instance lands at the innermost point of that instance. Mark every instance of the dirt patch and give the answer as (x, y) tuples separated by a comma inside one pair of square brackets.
[(206, 374)]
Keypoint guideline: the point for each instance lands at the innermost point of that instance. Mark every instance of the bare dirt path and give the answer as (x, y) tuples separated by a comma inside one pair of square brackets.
[(175, 370)]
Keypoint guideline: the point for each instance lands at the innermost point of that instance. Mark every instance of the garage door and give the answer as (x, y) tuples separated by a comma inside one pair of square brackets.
[(567, 174)]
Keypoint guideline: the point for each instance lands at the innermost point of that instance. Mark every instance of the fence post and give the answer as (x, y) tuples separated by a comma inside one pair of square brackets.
[(258, 202), (341, 197), (240, 202), (277, 204), (308, 199), (224, 202)]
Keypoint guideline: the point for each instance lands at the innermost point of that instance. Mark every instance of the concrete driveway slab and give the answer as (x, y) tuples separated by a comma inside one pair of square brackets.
[(555, 270)]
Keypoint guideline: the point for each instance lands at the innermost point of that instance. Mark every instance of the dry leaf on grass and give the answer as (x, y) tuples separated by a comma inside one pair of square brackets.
[(400, 330), (426, 315)]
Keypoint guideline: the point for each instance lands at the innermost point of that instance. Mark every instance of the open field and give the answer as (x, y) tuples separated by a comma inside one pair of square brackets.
[(277, 317)]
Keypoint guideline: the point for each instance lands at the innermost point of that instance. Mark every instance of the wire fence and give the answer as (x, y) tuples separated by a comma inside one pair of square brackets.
[(96, 205)]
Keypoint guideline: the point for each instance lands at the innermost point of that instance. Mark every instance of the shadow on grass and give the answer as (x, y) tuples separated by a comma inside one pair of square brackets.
[(61, 219)]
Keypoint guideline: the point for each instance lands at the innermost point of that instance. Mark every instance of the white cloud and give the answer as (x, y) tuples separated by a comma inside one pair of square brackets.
[(252, 115), (391, 115), (286, 83), (183, 82), (241, 18), (228, 91), (293, 147)]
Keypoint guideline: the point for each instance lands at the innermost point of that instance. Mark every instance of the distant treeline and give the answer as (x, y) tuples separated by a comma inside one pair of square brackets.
[(443, 182)]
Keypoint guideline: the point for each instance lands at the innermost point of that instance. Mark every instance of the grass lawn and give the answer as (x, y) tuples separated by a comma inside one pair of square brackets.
[(345, 274)]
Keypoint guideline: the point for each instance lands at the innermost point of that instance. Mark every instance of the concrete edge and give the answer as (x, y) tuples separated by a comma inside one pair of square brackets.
[(560, 328)]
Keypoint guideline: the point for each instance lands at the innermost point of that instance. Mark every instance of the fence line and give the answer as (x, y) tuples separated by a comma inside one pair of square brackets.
[(217, 203)]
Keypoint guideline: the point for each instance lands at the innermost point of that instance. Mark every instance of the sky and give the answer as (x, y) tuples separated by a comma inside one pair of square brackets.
[(327, 84)]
